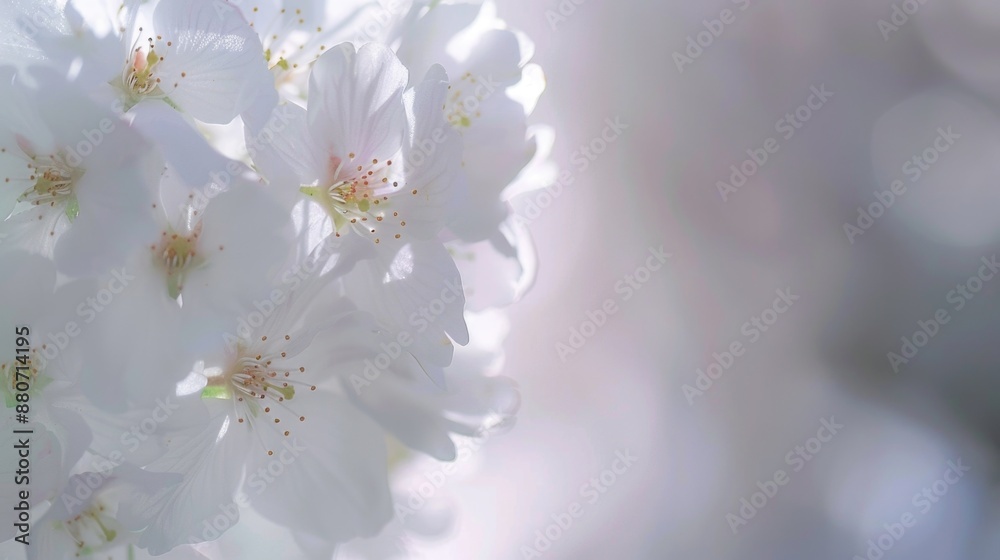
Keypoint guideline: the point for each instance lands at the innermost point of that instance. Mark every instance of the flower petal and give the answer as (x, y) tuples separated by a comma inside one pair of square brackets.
[(356, 102), (213, 67)]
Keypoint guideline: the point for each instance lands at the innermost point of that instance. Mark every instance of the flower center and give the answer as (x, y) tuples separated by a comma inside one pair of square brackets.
[(54, 184), (140, 78), (23, 369), (465, 97), (177, 255), (260, 386), (357, 195), (92, 529)]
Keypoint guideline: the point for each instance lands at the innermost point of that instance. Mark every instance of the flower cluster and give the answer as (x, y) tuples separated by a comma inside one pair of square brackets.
[(243, 247)]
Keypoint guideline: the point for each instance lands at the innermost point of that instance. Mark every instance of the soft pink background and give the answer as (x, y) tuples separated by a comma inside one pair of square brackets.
[(825, 357)]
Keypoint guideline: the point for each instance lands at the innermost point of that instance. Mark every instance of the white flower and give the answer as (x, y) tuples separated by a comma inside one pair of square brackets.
[(312, 461), (188, 279), (75, 182), (199, 55), (292, 32), (483, 60), (83, 520), (378, 162), (295, 33), (271, 323)]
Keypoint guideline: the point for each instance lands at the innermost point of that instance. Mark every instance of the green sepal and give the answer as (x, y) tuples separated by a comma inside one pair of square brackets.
[(72, 208), (216, 392)]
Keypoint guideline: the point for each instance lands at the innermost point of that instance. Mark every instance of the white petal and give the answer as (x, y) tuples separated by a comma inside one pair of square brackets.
[(426, 41), (115, 209), (355, 103), (334, 480), (194, 160), (418, 291), (214, 67), (433, 156), (20, 24), (498, 271), (211, 459), (283, 150), (246, 239), (140, 327)]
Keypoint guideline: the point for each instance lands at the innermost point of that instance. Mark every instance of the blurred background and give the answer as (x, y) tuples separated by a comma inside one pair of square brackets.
[(812, 372)]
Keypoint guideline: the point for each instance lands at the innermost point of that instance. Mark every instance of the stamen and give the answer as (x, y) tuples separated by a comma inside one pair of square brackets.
[(355, 195), (54, 184), (177, 255)]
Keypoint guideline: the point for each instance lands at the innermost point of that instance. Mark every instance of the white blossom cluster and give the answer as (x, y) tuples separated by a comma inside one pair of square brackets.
[(254, 254)]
